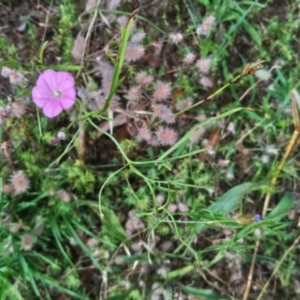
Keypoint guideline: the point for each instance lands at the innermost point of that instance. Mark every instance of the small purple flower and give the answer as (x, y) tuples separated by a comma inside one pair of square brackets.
[(257, 218), (61, 136), (54, 92), (55, 141)]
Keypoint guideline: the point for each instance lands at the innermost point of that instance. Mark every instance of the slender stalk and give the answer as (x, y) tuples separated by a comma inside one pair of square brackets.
[(287, 153)]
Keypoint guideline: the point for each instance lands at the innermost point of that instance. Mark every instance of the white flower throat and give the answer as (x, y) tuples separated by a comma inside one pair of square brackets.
[(57, 94)]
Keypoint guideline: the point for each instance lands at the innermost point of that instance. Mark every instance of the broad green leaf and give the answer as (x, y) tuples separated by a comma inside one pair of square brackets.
[(231, 199)]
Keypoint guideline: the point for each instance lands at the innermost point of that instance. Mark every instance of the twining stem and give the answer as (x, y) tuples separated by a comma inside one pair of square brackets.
[(249, 69)]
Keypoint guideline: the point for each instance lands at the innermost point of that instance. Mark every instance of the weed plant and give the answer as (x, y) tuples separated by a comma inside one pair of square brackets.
[(139, 139)]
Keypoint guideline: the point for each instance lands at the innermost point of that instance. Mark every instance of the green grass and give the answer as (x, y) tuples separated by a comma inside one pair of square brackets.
[(146, 221)]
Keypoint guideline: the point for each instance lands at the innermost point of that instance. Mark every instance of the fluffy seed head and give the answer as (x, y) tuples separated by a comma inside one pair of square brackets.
[(90, 5), (172, 207), (106, 71), (230, 175), (82, 93), (7, 189), (27, 241), (206, 82), (160, 198), (112, 4), (134, 52), (61, 135), (205, 27), (166, 136), (271, 149), (15, 77), (189, 58), (265, 158), (78, 47), (19, 182), (137, 37), (231, 127), (92, 242), (133, 224), (182, 207), (204, 64), (5, 113), (163, 112), (144, 134), (134, 93), (122, 20), (223, 163), (18, 109), (162, 91), (183, 104), (64, 196), (176, 37), (197, 134), (153, 142), (5, 71), (142, 78)]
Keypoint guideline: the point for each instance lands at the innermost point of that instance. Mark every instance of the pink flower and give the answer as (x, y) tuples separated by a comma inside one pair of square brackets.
[(54, 92)]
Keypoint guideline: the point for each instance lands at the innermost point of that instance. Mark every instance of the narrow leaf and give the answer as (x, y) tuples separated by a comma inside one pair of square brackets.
[(285, 204), (112, 222), (202, 293), (179, 272)]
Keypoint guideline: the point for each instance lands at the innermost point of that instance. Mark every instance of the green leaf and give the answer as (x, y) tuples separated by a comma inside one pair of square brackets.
[(41, 52), (118, 67), (231, 199), (253, 33), (179, 272), (285, 204), (111, 221), (203, 294)]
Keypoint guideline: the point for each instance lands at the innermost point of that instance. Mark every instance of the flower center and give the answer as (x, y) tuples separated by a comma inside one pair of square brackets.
[(57, 94)]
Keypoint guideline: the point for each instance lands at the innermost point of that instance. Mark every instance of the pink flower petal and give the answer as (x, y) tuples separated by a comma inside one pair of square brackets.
[(68, 98), (64, 80), (41, 102), (52, 109), (47, 80), (40, 96)]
